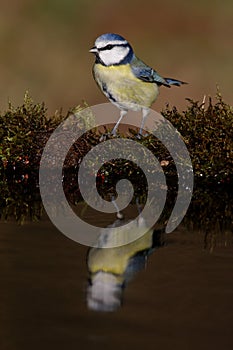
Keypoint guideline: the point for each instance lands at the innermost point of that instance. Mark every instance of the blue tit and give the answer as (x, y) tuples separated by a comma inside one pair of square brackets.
[(124, 79), (110, 269)]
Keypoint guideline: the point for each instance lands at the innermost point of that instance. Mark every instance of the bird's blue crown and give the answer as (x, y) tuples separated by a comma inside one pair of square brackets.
[(111, 37)]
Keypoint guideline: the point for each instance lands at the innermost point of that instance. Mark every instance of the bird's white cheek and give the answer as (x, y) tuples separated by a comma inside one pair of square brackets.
[(114, 56)]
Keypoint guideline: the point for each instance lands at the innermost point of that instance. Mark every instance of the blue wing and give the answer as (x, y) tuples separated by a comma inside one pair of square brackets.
[(148, 74)]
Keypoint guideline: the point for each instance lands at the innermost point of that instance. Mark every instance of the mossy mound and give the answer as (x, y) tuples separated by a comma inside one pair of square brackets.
[(207, 131)]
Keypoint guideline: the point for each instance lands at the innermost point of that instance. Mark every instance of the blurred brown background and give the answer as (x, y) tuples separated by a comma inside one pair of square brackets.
[(44, 47)]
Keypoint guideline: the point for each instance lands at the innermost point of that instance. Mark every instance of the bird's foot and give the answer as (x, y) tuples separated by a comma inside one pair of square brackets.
[(105, 136), (113, 134), (140, 136)]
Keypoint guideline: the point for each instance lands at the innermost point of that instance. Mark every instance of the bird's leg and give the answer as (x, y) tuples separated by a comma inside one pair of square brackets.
[(122, 114), (139, 207), (119, 214), (145, 113)]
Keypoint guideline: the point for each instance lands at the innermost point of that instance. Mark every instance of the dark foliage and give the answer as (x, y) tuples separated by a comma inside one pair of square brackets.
[(206, 130)]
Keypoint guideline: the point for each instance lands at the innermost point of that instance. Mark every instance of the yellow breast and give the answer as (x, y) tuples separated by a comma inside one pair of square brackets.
[(115, 260), (121, 84)]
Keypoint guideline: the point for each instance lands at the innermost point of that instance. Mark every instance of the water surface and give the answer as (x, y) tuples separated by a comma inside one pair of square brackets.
[(182, 299)]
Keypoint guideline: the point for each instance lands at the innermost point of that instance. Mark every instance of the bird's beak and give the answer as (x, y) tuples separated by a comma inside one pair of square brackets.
[(93, 50)]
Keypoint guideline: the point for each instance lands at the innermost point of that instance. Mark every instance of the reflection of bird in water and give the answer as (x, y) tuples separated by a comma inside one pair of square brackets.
[(111, 269)]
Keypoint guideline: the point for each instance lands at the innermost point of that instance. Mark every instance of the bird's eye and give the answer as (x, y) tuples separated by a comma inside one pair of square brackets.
[(109, 47)]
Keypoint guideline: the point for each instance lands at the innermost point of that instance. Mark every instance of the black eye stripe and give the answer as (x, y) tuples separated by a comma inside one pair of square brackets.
[(110, 46)]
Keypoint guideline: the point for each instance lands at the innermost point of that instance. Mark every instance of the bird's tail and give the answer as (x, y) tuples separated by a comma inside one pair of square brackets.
[(171, 81)]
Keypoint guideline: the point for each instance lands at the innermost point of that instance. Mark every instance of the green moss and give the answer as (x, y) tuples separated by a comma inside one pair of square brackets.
[(207, 131), (24, 131), (208, 134)]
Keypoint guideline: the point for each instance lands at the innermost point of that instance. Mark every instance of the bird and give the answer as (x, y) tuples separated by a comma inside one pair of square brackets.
[(124, 79), (112, 268)]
